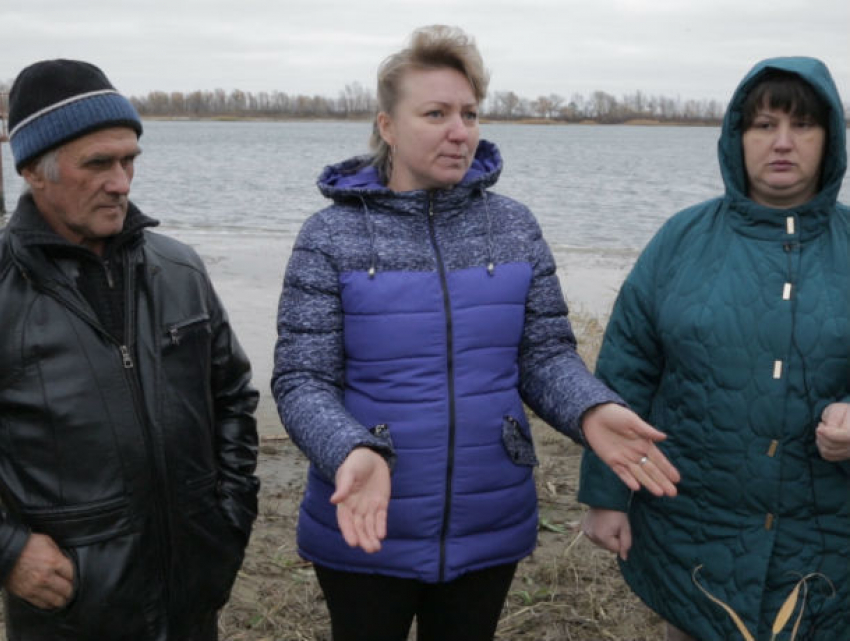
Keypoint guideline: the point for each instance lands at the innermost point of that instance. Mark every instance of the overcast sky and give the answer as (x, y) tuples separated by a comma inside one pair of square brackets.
[(686, 48)]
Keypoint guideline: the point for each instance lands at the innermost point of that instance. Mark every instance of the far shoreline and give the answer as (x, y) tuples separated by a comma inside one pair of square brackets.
[(632, 122)]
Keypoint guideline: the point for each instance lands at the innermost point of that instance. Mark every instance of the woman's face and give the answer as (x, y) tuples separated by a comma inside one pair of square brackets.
[(433, 130), (783, 155)]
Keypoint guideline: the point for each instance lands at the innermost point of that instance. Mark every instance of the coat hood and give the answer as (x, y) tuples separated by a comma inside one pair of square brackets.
[(358, 177), (730, 151)]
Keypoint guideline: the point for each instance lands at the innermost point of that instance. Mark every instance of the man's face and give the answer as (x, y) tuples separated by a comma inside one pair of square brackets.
[(86, 202)]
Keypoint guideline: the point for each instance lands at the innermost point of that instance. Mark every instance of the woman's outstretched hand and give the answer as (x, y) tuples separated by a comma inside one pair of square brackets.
[(627, 445), (361, 498)]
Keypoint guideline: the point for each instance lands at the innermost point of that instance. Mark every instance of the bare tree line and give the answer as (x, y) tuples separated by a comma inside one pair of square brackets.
[(355, 101), (358, 102), (605, 108)]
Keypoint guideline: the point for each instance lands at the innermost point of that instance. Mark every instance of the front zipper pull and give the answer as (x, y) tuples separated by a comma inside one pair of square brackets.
[(174, 333), (126, 358), (109, 280)]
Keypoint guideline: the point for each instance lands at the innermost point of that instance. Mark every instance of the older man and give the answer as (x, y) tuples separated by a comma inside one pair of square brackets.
[(127, 438)]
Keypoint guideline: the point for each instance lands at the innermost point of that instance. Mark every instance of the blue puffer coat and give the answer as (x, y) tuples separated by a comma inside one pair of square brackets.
[(394, 334), (731, 334)]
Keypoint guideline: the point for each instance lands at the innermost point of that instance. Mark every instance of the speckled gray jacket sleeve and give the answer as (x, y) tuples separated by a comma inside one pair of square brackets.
[(308, 376), (554, 381)]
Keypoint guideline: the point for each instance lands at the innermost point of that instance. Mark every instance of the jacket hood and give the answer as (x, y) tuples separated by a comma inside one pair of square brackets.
[(358, 177), (730, 152)]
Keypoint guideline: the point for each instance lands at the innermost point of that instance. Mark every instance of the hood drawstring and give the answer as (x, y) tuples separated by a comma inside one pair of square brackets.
[(491, 268), (370, 227)]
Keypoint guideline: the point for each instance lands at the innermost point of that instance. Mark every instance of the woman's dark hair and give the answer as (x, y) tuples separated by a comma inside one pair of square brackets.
[(786, 92)]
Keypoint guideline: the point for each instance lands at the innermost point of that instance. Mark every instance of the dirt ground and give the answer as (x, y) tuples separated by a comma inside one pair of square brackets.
[(568, 590)]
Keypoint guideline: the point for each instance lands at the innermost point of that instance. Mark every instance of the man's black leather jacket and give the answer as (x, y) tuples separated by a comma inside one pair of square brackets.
[(137, 458)]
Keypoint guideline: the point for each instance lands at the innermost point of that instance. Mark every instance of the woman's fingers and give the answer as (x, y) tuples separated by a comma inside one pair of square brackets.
[(652, 471)]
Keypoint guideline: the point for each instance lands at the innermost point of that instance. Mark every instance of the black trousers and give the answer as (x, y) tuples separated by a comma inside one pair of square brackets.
[(376, 607)]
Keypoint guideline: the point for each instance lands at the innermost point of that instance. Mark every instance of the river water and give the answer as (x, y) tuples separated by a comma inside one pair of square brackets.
[(589, 186)]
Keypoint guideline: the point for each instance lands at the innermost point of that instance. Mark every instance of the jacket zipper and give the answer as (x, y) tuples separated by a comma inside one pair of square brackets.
[(160, 514), (176, 332), (447, 503), (107, 268), (160, 498)]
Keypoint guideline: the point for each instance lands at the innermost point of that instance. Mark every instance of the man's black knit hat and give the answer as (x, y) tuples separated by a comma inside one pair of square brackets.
[(55, 101)]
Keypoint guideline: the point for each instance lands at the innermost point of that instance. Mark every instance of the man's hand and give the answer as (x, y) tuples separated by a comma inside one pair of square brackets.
[(362, 496), (833, 433), (608, 529), (627, 445), (43, 575)]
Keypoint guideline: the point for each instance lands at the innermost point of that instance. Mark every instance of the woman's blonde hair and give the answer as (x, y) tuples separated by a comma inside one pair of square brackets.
[(431, 47)]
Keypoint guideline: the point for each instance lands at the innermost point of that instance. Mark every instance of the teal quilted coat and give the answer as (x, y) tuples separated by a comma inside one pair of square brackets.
[(731, 334)]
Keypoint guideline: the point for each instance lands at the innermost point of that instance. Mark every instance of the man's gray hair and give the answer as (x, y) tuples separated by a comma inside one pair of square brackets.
[(48, 165)]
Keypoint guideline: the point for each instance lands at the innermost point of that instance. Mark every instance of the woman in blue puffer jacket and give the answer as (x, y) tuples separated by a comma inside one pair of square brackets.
[(732, 334), (418, 313)]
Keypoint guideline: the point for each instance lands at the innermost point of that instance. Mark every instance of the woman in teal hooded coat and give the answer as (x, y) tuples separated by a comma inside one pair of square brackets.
[(732, 335)]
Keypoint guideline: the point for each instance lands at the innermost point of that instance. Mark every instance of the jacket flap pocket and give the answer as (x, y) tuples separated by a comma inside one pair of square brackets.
[(517, 442), (199, 494), (81, 524)]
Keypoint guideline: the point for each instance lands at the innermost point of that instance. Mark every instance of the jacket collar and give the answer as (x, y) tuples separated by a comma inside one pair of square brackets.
[(31, 230), (357, 179)]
